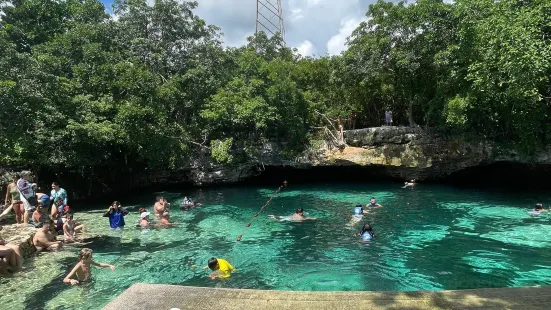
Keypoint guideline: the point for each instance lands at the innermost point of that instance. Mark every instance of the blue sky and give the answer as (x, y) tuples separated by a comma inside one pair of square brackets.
[(315, 27)]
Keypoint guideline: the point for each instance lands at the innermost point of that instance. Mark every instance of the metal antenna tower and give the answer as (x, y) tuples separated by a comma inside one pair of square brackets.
[(269, 17)]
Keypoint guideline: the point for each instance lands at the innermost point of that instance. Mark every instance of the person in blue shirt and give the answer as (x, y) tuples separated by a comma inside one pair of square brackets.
[(57, 193), (366, 234), (116, 215)]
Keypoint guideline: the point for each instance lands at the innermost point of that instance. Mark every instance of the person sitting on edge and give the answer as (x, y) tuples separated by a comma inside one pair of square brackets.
[(40, 215), (160, 207), (372, 203), (144, 219), (164, 223), (83, 269), (221, 268), (366, 234), (61, 219), (116, 215), (10, 256), (70, 228), (57, 208), (409, 184), (44, 240)]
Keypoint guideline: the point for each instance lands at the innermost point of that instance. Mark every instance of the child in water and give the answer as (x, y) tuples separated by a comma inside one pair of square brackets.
[(83, 269), (221, 268), (366, 234)]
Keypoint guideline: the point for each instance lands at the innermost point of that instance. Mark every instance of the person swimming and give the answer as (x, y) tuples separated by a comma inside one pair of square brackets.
[(366, 234), (357, 215), (409, 184), (538, 209), (373, 203), (297, 217)]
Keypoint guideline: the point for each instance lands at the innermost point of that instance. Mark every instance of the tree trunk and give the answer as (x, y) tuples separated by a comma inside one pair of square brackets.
[(410, 109)]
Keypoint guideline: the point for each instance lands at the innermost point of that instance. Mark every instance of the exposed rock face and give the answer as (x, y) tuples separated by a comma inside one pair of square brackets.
[(20, 235), (396, 152), (400, 152)]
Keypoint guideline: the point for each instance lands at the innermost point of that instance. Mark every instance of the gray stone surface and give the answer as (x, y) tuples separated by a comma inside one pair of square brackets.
[(165, 297), (21, 235)]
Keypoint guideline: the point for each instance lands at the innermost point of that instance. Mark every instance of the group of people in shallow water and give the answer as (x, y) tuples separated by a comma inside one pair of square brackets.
[(49, 214), (60, 221)]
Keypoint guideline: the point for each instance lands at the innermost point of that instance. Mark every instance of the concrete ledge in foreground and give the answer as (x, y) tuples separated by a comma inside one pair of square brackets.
[(165, 297)]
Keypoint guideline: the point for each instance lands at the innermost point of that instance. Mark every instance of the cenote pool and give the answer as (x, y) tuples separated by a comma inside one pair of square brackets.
[(430, 238)]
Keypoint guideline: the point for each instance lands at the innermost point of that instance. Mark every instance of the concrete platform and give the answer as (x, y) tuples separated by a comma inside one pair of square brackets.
[(166, 297)]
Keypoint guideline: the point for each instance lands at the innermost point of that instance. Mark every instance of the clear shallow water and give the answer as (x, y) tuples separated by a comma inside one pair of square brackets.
[(430, 238)]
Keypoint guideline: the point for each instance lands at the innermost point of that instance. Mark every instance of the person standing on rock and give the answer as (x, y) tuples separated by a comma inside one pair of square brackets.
[(15, 200), (388, 117), (27, 195), (58, 192)]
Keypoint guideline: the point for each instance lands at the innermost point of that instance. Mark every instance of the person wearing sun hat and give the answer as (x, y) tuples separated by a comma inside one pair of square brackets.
[(144, 219)]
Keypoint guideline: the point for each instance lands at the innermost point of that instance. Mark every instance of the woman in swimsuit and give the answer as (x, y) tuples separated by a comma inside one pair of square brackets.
[(16, 202), (83, 270)]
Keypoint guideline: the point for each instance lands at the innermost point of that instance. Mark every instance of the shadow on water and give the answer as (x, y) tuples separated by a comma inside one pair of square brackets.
[(36, 300)]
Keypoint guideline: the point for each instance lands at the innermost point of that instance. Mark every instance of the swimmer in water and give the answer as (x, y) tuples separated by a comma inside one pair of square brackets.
[(83, 269), (409, 184), (372, 203), (538, 209), (358, 214), (144, 220), (164, 223), (297, 217), (366, 234)]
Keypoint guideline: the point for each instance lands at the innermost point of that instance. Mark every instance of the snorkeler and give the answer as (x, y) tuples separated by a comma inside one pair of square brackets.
[(366, 234), (297, 217), (359, 211), (409, 184), (83, 270)]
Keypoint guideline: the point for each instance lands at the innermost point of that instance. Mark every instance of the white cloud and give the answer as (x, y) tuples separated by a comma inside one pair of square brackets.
[(306, 48), (337, 43), (296, 14), (315, 21)]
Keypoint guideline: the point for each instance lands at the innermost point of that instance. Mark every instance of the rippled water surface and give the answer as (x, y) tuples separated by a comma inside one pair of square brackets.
[(429, 238)]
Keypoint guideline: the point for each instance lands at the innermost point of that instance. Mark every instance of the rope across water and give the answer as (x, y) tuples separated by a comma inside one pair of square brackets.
[(262, 209)]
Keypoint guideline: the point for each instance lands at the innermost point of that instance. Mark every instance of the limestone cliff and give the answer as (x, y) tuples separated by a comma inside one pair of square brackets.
[(392, 152), (401, 153)]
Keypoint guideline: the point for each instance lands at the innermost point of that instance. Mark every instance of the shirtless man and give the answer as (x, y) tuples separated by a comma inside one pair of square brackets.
[(160, 207), (83, 270), (297, 217), (44, 240), (164, 221), (10, 256)]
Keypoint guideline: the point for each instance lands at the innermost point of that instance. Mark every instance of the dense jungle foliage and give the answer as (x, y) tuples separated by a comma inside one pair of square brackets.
[(80, 88)]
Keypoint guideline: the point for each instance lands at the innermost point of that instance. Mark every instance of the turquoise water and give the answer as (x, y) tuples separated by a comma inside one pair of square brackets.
[(429, 238)]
